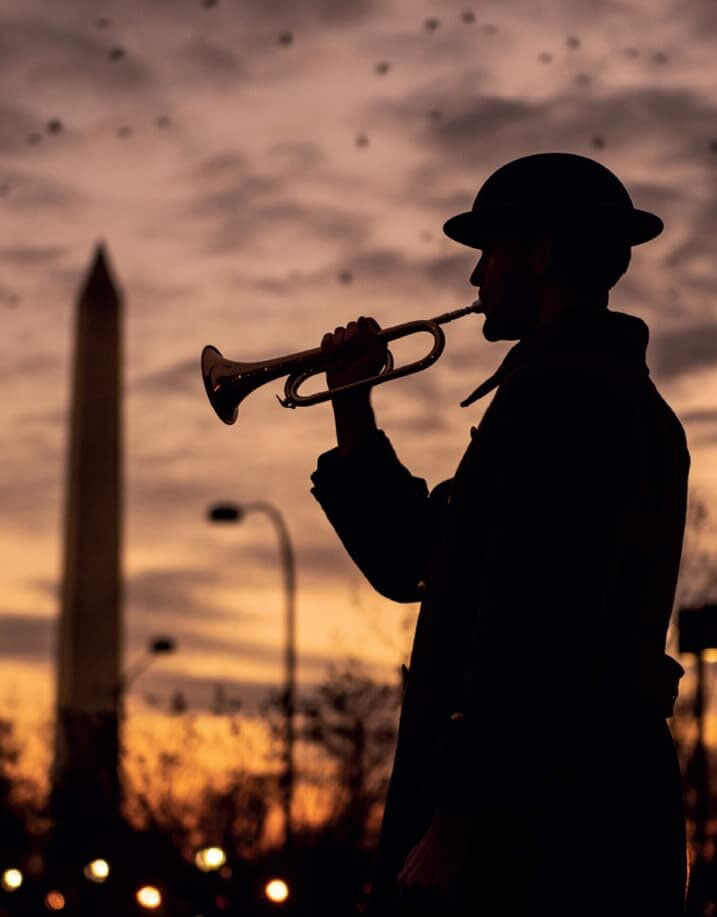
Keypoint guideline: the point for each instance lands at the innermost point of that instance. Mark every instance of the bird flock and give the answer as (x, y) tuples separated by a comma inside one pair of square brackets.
[(382, 68)]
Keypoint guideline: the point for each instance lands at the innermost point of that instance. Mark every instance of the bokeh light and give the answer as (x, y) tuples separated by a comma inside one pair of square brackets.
[(11, 880), (277, 890), (97, 870), (149, 897), (210, 858), (54, 901)]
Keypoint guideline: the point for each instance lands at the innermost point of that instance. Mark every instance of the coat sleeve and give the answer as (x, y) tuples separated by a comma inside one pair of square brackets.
[(537, 612), (382, 514)]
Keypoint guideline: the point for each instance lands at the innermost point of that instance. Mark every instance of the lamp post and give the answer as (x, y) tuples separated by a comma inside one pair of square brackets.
[(231, 512), (698, 635)]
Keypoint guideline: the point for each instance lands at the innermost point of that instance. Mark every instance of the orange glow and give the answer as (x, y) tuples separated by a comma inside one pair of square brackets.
[(54, 901)]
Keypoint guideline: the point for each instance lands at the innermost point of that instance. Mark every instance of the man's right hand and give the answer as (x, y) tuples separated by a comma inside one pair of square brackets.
[(359, 353)]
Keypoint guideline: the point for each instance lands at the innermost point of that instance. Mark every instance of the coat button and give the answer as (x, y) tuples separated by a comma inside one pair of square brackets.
[(457, 715), (421, 585)]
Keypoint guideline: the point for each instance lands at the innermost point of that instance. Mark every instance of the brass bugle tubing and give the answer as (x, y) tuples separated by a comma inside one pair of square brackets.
[(228, 382)]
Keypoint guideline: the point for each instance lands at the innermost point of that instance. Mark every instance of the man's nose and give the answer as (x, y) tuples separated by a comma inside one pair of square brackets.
[(477, 276)]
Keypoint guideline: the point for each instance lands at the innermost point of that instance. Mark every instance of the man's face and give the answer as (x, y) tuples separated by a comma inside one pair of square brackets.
[(509, 289)]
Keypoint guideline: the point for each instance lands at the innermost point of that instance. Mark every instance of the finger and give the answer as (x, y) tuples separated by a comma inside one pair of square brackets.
[(351, 331), (369, 323), (327, 342)]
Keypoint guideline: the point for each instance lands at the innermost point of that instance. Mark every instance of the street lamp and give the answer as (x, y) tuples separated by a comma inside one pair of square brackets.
[(232, 512), (157, 646)]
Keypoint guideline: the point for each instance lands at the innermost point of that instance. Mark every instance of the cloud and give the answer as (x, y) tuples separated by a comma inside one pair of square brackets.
[(180, 378), (26, 637), (700, 415), (704, 423), (201, 58), (257, 210), (172, 593), (240, 203), (684, 350), (326, 12), (16, 125), (32, 255), (30, 191), (52, 52), (565, 121)]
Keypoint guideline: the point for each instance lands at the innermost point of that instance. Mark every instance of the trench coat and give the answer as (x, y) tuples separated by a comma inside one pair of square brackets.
[(538, 689)]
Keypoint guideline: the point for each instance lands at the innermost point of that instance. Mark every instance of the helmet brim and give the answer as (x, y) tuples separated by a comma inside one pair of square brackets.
[(634, 226)]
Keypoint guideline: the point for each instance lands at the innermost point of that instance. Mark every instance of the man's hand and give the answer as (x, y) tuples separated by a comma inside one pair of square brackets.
[(437, 862), (358, 351)]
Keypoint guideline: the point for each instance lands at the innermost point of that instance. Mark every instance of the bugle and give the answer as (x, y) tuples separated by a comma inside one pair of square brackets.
[(228, 382)]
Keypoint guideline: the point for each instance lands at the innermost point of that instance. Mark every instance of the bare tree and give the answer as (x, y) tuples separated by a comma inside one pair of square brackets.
[(352, 721)]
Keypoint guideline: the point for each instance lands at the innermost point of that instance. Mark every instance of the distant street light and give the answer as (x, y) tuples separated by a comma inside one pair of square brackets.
[(149, 897), (232, 512), (158, 646), (97, 871), (277, 891), (11, 880), (210, 858)]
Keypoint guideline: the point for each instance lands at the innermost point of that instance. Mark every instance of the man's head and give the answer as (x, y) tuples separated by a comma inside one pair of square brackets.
[(526, 278), (555, 229)]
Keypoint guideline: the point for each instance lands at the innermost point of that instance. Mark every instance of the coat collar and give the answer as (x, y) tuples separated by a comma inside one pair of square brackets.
[(614, 335)]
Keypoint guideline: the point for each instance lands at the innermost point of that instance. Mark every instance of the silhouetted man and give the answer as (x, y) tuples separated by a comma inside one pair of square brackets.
[(535, 773)]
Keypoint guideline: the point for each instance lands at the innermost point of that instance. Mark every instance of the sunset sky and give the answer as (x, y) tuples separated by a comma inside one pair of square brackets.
[(237, 159)]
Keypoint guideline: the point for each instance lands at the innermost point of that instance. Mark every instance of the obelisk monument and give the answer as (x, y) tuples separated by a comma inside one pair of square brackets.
[(86, 788)]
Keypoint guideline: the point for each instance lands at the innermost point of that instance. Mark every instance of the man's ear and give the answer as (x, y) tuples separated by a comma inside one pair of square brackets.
[(541, 255)]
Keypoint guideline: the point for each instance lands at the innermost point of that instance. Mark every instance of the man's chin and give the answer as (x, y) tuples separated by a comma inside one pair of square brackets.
[(496, 330)]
